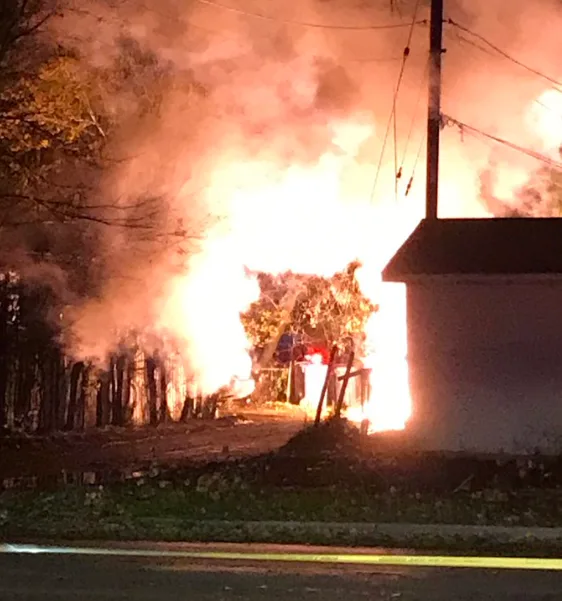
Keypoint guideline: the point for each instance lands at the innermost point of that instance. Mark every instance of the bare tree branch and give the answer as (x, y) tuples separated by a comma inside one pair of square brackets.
[(20, 19)]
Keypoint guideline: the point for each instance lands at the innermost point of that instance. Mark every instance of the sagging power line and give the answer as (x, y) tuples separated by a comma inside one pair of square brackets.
[(499, 51), (464, 127), (308, 24), (392, 117)]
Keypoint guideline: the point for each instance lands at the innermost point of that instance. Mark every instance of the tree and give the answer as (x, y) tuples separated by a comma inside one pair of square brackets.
[(48, 125), (20, 20), (45, 117), (329, 310)]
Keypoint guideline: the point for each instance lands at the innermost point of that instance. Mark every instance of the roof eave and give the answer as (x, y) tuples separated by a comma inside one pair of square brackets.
[(469, 278)]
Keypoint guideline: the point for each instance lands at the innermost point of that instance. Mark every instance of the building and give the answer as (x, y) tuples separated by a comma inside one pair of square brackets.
[(484, 311)]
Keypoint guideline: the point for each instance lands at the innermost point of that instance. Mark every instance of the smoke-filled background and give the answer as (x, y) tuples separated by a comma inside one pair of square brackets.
[(261, 137)]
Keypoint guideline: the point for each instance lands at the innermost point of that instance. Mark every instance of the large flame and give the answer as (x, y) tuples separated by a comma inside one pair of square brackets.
[(263, 131), (309, 218)]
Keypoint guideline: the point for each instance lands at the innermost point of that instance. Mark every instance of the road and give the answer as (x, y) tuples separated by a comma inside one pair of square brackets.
[(62, 577)]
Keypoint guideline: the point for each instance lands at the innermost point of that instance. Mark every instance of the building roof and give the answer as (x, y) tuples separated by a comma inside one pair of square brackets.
[(479, 248)]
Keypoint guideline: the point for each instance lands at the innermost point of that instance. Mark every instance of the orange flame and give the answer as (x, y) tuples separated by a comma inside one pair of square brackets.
[(312, 218)]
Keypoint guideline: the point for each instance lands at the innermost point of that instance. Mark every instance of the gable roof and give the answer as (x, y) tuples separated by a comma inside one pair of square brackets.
[(479, 247)]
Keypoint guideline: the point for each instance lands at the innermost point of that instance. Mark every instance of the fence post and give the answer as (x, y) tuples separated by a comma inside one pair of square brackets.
[(343, 388)]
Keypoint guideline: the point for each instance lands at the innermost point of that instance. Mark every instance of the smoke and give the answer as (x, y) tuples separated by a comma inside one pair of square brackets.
[(264, 148)]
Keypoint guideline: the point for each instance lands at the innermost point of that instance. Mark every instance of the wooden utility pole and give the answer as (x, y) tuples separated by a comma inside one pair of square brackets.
[(434, 108)]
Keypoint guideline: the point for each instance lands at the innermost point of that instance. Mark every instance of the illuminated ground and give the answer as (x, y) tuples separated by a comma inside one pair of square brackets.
[(251, 432)]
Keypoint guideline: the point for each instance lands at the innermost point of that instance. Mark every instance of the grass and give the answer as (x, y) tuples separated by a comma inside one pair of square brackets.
[(219, 507), (217, 497), (292, 496)]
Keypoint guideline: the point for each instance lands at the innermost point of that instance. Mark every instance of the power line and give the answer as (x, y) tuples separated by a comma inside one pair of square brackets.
[(416, 160), (210, 31), (392, 117), (382, 59), (464, 40), (503, 53), (413, 121), (308, 23), (464, 127), (488, 142)]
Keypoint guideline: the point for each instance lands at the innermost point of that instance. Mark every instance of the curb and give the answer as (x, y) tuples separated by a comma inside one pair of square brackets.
[(391, 535), (470, 540)]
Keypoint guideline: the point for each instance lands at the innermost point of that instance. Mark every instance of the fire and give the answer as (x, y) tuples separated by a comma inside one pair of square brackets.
[(545, 118), (315, 375), (312, 218), (275, 214), (390, 404), (274, 165)]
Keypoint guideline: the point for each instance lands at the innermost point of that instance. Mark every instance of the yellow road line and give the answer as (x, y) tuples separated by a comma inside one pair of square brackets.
[(428, 561)]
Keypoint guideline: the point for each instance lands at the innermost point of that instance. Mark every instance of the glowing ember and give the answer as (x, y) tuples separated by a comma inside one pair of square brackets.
[(315, 359)]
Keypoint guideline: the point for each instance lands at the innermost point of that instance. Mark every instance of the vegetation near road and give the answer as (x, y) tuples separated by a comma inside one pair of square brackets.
[(323, 475)]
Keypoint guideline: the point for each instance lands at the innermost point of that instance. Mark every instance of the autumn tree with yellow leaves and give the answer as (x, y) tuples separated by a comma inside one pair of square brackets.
[(56, 132), (47, 121)]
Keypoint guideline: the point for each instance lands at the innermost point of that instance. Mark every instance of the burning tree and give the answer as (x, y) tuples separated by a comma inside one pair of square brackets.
[(329, 311)]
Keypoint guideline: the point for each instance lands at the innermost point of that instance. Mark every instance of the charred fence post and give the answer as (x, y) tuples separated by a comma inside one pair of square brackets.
[(152, 391), (102, 401), (165, 415), (71, 416), (187, 409), (61, 388), (345, 380), (118, 401), (128, 407)]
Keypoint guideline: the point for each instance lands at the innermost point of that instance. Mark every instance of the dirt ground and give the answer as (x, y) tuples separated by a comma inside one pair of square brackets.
[(304, 458), (239, 432)]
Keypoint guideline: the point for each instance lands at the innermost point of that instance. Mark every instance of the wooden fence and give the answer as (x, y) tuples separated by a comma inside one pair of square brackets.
[(43, 390)]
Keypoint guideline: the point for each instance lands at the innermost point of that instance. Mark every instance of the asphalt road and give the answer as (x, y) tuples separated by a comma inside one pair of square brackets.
[(37, 577)]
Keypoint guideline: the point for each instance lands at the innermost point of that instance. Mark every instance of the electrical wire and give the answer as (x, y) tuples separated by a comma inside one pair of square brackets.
[(492, 144), (308, 24), (423, 80), (170, 17), (464, 127), (392, 117), (503, 53), (414, 167), (395, 146), (464, 40)]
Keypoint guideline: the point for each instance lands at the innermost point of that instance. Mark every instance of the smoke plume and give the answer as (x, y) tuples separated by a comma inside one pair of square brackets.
[(264, 152)]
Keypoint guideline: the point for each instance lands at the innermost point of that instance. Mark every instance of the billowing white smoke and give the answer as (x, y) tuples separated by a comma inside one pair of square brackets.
[(272, 169)]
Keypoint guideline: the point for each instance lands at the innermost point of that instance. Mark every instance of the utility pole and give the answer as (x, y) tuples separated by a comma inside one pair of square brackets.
[(434, 108)]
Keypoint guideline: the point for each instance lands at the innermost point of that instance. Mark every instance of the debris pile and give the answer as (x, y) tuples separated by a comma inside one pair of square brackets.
[(331, 437)]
